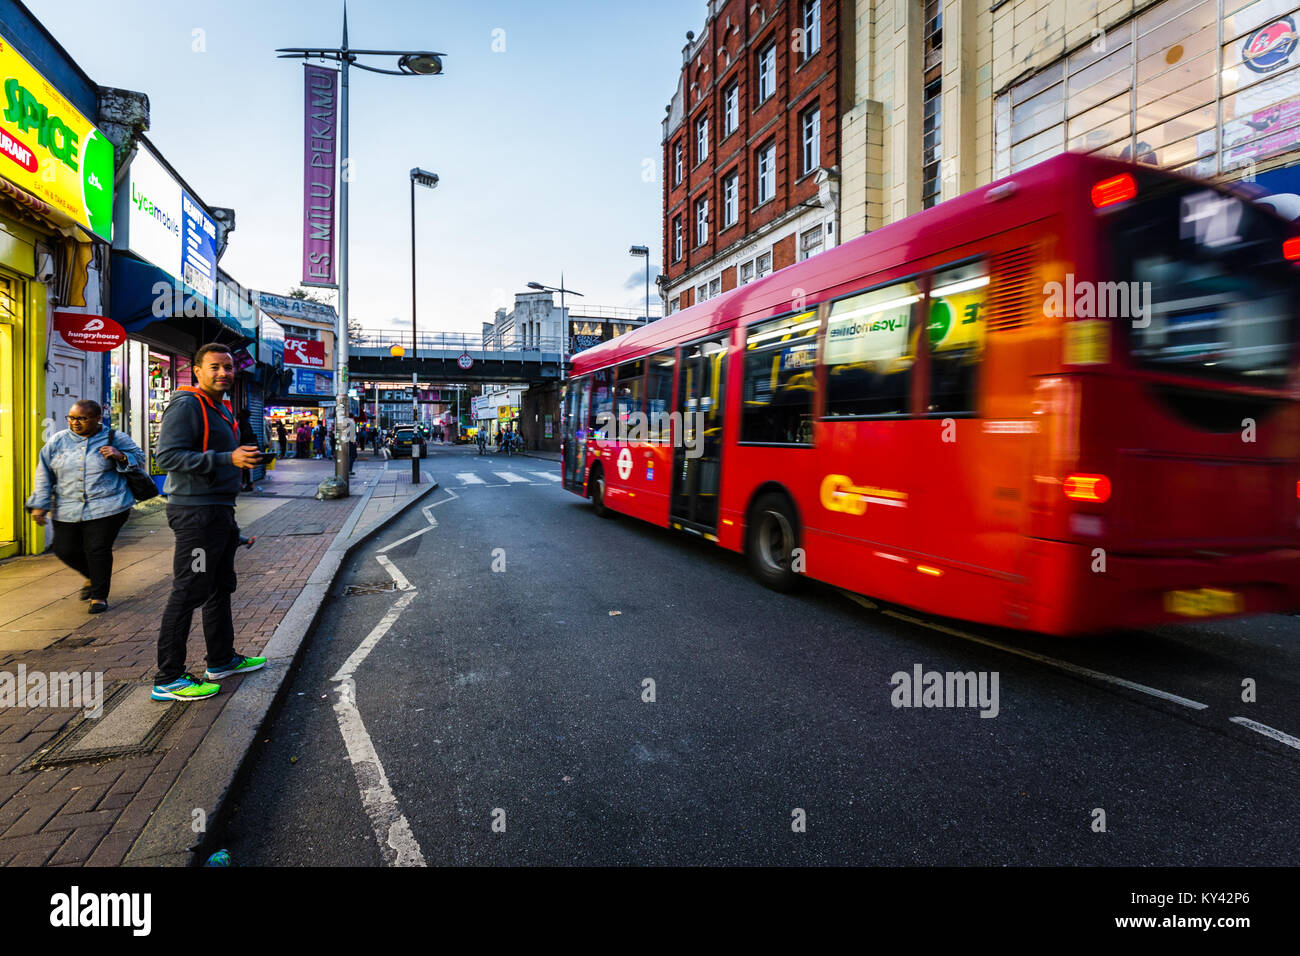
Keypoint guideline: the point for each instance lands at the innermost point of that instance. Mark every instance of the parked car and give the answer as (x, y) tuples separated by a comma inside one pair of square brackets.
[(401, 441)]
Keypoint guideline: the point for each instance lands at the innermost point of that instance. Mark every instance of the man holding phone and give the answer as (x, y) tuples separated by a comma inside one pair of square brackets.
[(199, 448)]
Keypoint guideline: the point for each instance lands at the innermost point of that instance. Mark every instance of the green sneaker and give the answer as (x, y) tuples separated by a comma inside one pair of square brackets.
[(237, 665), (186, 687)]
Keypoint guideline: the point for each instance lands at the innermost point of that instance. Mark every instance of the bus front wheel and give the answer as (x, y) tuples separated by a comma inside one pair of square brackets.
[(772, 541), (596, 484)]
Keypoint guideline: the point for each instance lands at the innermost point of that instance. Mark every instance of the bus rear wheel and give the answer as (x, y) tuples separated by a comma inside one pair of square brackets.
[(772, 538), (596, 485)]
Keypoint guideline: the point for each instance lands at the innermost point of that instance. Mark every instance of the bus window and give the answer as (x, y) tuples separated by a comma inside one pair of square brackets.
[(870, 351), (602, 404), (629, 387), (659, 396), (780, 380), (956, 334)]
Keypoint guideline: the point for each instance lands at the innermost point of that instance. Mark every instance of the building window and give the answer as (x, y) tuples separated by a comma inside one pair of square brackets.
[(763, 265), (747, 272), (931, 144), (810, 124), (674, 304), (811, 242), (812, 27), (701, 221), (677, 163), (677, 238), (766, 172), (730, 203), (730, 109), (767, 71), (1131, 99), (715, 287), (701, 139)]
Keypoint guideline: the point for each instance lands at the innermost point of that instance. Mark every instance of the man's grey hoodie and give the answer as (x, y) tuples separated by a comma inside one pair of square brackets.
[(196, 476)]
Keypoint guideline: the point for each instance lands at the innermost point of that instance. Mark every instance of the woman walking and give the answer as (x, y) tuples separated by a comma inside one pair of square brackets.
[(79, 481), (303, 436)]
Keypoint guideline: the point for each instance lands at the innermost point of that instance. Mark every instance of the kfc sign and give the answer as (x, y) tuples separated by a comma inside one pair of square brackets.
[(90, 333), (304, 352)]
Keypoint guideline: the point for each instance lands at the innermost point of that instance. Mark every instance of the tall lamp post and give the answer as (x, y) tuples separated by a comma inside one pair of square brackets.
[(644, 252), (564, 334), (409, 63), (430, 180)]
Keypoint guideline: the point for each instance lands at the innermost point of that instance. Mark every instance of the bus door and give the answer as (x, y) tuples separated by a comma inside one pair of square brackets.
[(697, 447), (577, 404)]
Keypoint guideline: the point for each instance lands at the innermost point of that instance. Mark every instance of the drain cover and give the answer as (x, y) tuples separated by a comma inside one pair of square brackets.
[(132, 723), (352, 589)]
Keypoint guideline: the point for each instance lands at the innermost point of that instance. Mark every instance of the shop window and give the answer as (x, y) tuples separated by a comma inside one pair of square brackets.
[(955, 331), (780, 380), (870, 352)]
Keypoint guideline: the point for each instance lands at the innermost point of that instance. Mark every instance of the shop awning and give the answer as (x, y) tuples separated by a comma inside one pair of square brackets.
[(144, 294)]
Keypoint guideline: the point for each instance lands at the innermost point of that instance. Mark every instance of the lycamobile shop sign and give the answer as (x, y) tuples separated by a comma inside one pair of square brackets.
[(50, 150)]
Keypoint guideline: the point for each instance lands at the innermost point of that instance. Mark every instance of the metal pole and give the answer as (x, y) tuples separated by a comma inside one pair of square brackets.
[(342, 463), (647, 287), (415, 395)]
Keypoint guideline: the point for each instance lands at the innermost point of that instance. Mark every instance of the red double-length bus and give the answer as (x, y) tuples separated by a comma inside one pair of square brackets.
[(1066, 402)]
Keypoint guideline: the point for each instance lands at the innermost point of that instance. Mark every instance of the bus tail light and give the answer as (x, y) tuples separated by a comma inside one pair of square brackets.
[(1092, 488), (1114, 190), (1291, 249)]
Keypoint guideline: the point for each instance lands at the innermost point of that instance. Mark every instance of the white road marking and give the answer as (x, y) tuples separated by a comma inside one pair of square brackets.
[(433, 523), (397, 843), (510, 477), (1267, 731), (548, 475), (395, 574), (469, 478), (1054, 662)]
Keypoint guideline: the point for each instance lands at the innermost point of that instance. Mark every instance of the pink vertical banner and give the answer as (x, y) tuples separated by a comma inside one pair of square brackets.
[(320, 147)]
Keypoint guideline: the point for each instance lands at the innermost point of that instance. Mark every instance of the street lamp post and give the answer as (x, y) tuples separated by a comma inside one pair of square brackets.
[(564, 334), (644, 252), (430, 180), (409, 63)]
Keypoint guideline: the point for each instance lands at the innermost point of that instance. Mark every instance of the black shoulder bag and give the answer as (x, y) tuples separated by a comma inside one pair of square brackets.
[(142, 486)]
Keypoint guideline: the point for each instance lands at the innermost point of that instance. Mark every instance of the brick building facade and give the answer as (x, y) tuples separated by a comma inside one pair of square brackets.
[(751, 146)]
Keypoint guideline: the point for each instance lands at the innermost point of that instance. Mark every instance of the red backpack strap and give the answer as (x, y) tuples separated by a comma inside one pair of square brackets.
[(203, 403)]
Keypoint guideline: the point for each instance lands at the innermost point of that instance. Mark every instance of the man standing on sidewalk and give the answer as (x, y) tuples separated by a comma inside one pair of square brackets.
[(199, 449)]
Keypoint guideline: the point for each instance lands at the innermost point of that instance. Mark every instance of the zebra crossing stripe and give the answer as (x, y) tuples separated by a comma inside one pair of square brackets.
[(469, 478), (548, 475), (510, 477)]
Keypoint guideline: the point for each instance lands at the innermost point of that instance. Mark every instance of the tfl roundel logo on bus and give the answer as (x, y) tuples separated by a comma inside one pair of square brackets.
[(1270, 46)]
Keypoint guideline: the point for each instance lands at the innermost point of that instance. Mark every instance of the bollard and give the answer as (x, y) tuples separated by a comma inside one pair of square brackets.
[(415, 462)]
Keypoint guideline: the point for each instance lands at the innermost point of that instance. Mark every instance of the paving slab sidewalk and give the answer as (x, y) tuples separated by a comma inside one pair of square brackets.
[(141, 809)]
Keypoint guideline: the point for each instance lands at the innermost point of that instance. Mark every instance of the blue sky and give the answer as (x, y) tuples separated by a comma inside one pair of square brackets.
[(540, 148)]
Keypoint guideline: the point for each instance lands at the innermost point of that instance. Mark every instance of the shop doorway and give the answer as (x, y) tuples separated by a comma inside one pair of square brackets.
[(12, 480)]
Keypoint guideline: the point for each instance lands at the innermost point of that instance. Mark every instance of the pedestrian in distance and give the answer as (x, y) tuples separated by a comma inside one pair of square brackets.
[(303, 436), (318, 441), (80, 484), (348, 436), (198, 447), (246, 437), (283, 437)]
